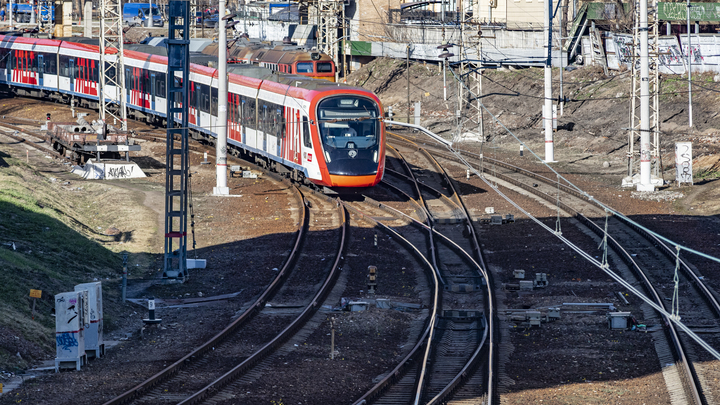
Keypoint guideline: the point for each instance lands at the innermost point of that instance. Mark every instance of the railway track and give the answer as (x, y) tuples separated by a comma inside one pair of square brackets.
[(226, 349), (462, 330), (651, 262)]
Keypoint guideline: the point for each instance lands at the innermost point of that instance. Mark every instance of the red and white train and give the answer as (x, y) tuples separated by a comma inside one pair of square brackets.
[(325, 133)]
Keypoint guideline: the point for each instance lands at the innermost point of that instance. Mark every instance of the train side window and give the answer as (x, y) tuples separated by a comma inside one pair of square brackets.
[(64, 66), (250, 114), (205, 98), (160, 85), (94, 74), (280, 122), (324, 67), (50, 64), (306, 133), (146, 82), (11, 60), (3, 58), (304, 67), (110, 72), (214, 101)]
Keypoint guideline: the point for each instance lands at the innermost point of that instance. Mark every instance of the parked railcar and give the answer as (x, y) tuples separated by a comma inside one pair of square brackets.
[(324, 133), (286, 58)]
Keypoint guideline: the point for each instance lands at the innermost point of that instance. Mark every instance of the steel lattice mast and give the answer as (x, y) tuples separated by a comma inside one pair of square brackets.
[(112, 68), (327, 26), (177, 163)]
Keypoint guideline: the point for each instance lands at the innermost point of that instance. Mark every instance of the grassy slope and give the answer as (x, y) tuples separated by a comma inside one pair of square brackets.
[(53, 252)]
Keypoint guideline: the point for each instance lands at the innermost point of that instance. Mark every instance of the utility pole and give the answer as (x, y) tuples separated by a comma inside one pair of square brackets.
[(407, 69), (221, 187), (645, 178), (689, 65), (562, 59), (547, 110), (193, 18), (149, 19)]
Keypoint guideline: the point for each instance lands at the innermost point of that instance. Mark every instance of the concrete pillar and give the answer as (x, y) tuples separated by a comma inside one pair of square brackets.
[(58, 27), (67, 18), (87, 18)]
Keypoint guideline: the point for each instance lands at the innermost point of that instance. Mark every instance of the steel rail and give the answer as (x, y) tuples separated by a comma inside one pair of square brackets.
[(427, 335), (283, 336), (691, 377), (490, 298), (248, 314)]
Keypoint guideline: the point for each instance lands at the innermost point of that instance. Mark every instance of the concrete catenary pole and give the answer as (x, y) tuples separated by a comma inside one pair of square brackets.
[(221, 146), (32, 13), (547, 110), (689, 64), (149, 19), (87, 19), (645, 181)]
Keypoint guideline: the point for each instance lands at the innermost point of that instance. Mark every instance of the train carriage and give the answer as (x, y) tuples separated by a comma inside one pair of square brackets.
[(28, 64), (325, 133)]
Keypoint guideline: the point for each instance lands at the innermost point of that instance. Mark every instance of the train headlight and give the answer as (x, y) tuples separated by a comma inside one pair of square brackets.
[(375, 157), (327, 157)]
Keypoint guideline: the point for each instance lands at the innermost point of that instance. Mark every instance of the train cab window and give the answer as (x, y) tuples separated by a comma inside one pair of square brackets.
[(324, 67), (214, 102), (349, 122), (306, 133), (304, 67)]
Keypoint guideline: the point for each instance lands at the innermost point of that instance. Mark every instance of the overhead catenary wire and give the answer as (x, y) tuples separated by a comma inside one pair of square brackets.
[(590, 197)]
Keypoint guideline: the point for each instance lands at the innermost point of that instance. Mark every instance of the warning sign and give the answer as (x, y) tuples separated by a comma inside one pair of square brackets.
[(35, 293)]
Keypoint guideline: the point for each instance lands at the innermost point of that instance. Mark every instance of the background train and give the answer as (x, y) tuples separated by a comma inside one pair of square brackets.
[(324, 133), (285, 57)]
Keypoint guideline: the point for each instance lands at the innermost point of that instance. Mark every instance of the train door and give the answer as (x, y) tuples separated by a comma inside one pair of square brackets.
[(152, 91), (71, 74), (41, 69)]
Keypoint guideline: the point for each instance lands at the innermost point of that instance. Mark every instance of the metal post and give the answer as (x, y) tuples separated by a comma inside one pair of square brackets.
[(547, 110), (562, 59), (332, 338), (10, 14), (444, 80), (645, 181), (407, 67), (221, 187), (689, 64), (124, 277), (149, 19)]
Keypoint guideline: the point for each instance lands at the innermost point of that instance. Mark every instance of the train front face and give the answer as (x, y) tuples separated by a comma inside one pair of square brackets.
[(353, 139)]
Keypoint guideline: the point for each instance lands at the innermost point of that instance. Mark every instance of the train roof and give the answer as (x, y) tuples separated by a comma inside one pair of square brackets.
[(148, 49), (25, 40)]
